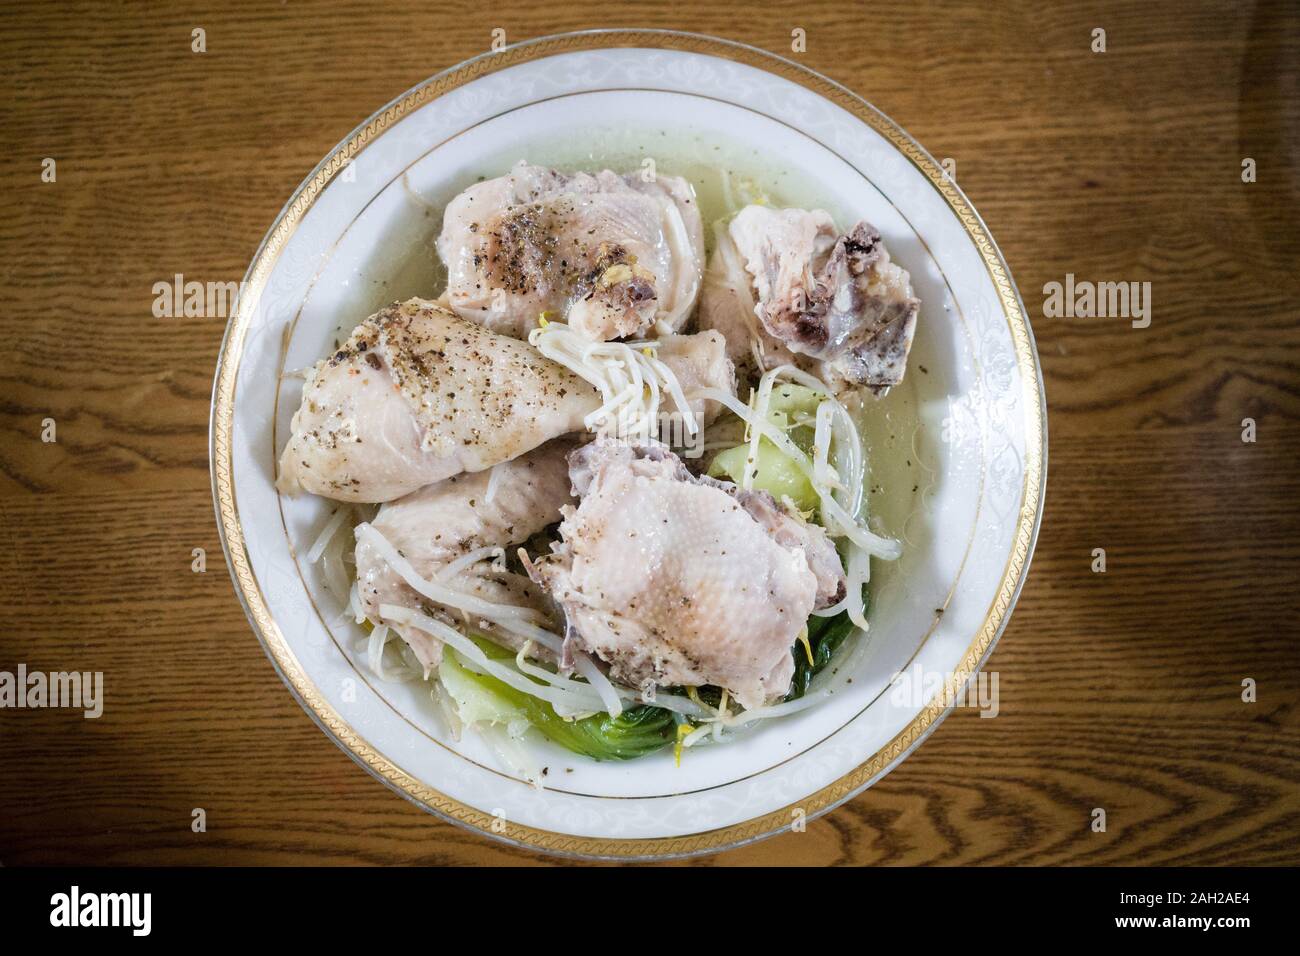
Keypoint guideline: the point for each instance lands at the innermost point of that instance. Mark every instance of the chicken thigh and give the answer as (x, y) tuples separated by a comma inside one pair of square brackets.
[(609, 254), (417, 395), (673, 580)]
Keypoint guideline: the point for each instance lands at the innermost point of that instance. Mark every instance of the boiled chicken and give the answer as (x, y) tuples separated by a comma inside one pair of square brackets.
[(609, 254), (677, 580), (785, 286), (417, 395), (728, 307), (699, 361), (456, 519)]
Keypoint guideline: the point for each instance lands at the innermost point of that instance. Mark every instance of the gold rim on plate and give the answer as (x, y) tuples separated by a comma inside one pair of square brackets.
[(281, 654)]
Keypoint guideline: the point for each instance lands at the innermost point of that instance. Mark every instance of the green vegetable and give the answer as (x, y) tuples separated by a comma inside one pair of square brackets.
[(633, 733), (476, 701), (776, 473), (788, 399), (825, 635)]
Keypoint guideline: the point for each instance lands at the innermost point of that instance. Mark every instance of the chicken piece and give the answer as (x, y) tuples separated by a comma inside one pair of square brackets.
[(698, 361), (609, 254), (787, 528), (417, 395), (834, 302), (792, 532), (673, 580), (727, 306), (434, 526)]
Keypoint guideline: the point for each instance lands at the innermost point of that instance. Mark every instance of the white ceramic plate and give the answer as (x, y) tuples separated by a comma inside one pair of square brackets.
[(960, 448)]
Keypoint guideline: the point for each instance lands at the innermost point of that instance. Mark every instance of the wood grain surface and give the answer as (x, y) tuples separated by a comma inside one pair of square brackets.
[(1119, 690)]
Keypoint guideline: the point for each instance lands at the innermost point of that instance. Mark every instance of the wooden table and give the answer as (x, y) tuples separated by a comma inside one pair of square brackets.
[(1119, 690)]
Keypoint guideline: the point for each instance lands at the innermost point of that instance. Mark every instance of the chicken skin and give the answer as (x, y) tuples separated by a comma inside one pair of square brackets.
[(417, 395), (609, 254), (675, 580)]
